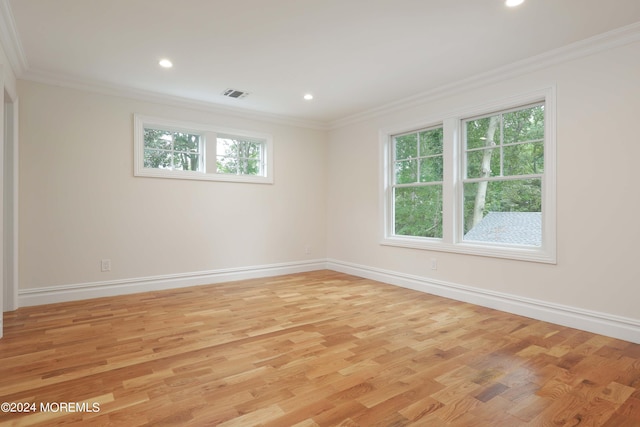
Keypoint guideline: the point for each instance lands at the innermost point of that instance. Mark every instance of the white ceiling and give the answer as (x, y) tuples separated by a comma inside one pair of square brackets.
[(353, 55)]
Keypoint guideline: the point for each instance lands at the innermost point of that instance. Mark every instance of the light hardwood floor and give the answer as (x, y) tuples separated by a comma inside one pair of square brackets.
[(312, 349)]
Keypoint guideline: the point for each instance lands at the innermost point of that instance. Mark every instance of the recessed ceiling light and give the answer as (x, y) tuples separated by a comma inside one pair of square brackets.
[(165, 63), (308, 97), (513, 3)]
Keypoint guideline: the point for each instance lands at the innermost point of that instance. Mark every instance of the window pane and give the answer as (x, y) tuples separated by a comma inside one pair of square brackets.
[(252, 150), (480, 161), (227, 165), (407, 171), (154, 138), (406, 146), (174, 149), (239, 157), (482, 132), (431, 169), (252, 167), (418, 211), (506, 212), (171, 150), (524, 125), (431, 142), (225, 146), (158, 159), (186, 142), (524, 159), (186, 161)]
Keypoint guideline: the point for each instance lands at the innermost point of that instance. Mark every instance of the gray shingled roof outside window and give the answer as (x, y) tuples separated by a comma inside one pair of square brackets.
[(514, 228)]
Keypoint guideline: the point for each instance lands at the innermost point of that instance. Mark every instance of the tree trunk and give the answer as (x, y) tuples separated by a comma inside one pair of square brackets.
[(481, 195)]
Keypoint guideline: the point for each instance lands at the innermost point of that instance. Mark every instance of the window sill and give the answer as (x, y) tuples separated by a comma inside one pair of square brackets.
[(520, 253), (202, 176)]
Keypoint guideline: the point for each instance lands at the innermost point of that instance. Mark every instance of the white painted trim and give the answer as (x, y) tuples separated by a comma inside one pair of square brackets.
[(453, 202), (592, 321), (10, 39), (102, 88), (609, 40), (605, 41), (2, 237), (11, 216), (140, 122), (80, 291)]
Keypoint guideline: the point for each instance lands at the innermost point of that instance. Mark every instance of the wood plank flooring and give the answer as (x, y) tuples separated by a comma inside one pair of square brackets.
[(312, 349)]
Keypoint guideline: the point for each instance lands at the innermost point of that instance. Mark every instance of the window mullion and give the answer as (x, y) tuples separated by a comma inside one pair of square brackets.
[(173, 151), (418, 158), (501, 145), (417, 184), (502, 178), (209, 151), (451, 157)]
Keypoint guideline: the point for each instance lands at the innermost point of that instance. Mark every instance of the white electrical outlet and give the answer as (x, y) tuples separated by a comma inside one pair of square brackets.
[(434, 264), (307, 249), (105, 265)]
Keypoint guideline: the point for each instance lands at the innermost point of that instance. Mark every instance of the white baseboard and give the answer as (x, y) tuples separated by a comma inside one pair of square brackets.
[(600, 323), (80, 291)]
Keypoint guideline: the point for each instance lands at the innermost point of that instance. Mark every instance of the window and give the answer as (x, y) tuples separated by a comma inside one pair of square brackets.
[(239, 156), (481, 182), (502, 185), (165, 149), (171, 149), (417, 183)]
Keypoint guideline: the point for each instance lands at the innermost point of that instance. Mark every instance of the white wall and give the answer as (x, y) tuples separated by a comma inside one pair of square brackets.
[(80, 203), (598, 102)]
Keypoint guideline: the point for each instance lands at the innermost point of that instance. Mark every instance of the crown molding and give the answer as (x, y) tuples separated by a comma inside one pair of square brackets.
[(605, 41), (15, 54), (10, 40), (62, 80), (18, 61)]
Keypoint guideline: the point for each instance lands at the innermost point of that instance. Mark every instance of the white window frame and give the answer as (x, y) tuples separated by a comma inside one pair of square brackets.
[(394, 186), (452, 209), (208, 138)]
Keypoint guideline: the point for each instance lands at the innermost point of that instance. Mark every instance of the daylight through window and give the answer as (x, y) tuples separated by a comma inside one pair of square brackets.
[(417, 186), (171, 149), (504, 166), (480, 182), (239, 156)]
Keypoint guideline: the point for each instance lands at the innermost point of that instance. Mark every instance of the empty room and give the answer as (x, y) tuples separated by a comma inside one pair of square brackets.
[(320, 213)]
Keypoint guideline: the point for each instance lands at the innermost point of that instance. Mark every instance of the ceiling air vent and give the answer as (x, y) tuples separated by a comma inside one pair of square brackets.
[(234, 93)]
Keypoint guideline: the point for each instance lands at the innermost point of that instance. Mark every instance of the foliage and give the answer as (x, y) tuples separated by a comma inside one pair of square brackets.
[(512, 183), (238, 157), (418, 171), (517, 153), (171, 150), (418, 211), (182, 151)]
